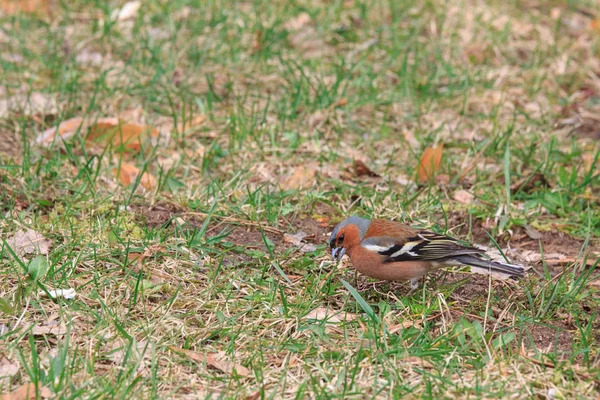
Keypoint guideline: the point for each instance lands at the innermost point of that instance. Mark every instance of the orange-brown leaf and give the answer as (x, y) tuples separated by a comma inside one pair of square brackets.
[(26, 6), (26, 392), (430, 163), (128, 174), (65, 130), (125, 136), (361, 169)]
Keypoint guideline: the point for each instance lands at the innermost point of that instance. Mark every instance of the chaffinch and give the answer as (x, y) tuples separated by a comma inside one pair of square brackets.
[(393, 251)]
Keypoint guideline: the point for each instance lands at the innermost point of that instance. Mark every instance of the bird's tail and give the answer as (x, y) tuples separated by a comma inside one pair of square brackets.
[(473, 261)]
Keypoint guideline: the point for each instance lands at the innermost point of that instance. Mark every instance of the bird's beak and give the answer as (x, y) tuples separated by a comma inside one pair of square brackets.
[(338, 253)]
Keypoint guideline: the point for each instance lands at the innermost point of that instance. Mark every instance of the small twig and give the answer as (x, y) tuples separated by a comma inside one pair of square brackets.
[(237, 221), (554, 366)]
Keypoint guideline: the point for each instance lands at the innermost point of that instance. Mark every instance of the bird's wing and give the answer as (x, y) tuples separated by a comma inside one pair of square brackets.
[(424, 246)]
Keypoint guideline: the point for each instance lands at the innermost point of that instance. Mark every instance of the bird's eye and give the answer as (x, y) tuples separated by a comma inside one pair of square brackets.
[(341, 238)]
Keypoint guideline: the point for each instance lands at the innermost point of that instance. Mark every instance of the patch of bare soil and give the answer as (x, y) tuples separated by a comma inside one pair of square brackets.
[(549, 338), (316, 232), (157, 214)]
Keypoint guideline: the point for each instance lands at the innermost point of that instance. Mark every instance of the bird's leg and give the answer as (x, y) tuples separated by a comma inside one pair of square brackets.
[(356, 278)]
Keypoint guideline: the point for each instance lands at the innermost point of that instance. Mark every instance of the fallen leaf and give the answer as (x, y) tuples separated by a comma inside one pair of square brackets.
[(464, 197), (29, 241), (128, 11), (429, 164), (8, 368), (26, 6), (135, 258), (226, 366), (296, 240), (361, 169), (302, 177), (27, 392), (125, 136), (531, 256), (532, 232), (330, 316), (65, 130), (57, 330), (594, 283), (128, 174), (136, 352), (253, 396), (214, 360)]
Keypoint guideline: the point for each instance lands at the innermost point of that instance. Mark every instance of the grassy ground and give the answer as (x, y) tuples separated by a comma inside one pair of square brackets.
[(196, 288)]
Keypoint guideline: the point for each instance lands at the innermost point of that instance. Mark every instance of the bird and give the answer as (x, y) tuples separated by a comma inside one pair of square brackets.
[(392, 251)]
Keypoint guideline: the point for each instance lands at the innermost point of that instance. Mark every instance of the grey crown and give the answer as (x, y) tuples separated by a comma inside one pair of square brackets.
[(362, 224)]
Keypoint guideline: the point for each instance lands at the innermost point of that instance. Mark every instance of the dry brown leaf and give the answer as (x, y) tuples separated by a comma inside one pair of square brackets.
[(594, 283), (302, 177), (533, 233), (57, 330), (253, 396), (27, 392), (296, 240), (28, 242), (430, 163), (8, 368), (27, 6), (464, 197), (125, 136), (214, 360), (135, 258), (65, 130), (361, 169), (330, 316), (128, 174), (226, 366)]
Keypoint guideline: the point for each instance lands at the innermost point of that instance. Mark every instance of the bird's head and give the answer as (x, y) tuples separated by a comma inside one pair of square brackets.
[(346, 235)]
